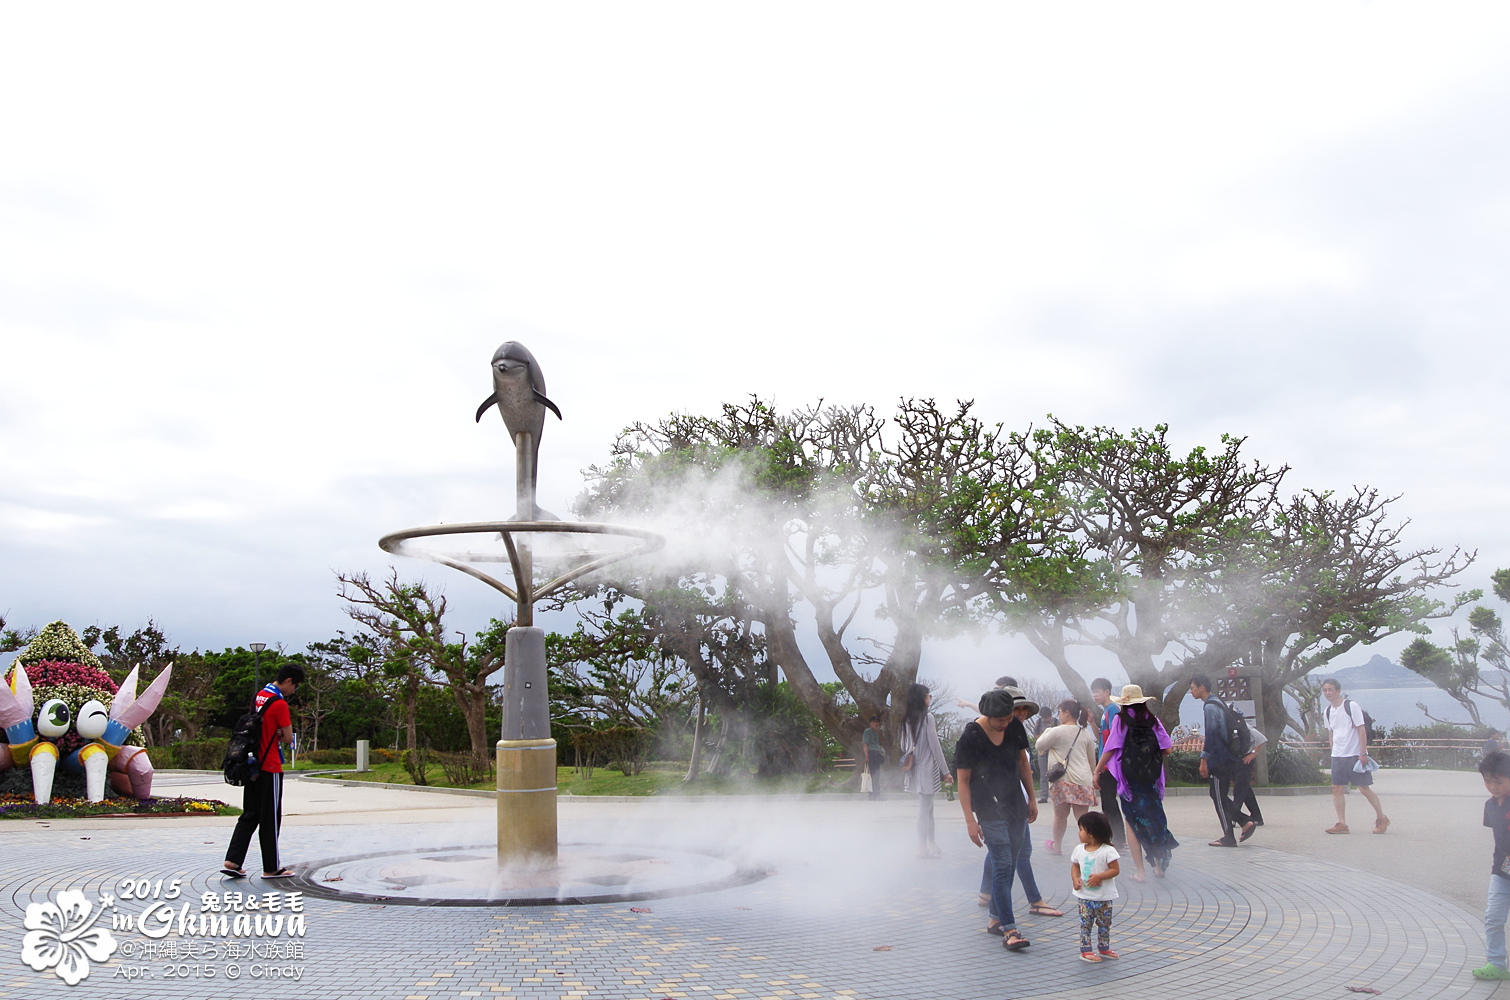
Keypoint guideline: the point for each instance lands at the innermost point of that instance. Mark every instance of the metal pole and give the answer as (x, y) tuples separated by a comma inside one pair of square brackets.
[(524, 510)]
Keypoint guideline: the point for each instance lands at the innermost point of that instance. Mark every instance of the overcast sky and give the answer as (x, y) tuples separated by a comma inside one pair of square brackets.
[(254, 261)]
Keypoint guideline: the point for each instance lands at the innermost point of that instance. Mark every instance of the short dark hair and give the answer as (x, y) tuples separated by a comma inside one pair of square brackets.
[(291, 671), (1098, 826), (1495, 764), (1101, 684), (1332, 681), (1200, 680), (1006, 682), (874, 718)]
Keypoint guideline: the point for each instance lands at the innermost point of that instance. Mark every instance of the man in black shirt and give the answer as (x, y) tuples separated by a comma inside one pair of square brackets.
[(1495, 768), (996, 794)]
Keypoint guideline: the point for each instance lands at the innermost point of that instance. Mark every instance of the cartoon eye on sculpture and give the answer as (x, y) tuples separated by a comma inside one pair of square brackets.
[(105, 736)]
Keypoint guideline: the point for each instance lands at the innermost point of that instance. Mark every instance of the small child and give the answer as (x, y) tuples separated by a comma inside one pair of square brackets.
[(1495, 768), (1093, 866)]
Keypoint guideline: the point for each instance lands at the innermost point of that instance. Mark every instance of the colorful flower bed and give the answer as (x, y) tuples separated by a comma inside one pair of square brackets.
[(22, 807)]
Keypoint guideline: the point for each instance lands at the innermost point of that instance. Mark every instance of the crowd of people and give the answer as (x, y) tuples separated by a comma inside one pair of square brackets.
[(1103, 765)]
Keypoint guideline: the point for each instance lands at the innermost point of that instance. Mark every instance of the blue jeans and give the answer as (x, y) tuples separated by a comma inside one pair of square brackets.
[(1495, 913), (1024, 869), (1004, 840)]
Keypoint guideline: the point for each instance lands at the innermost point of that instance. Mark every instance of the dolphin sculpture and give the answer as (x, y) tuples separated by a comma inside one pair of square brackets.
[(519, 394)]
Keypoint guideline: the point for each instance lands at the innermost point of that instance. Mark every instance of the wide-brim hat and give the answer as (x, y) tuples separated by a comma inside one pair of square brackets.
[(1132, 694), (1021, 700)]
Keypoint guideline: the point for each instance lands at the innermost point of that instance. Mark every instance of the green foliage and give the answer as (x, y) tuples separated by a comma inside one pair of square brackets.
[(1183, 767), (198, 755), (1289, 766), (463, 769), (417, 762)]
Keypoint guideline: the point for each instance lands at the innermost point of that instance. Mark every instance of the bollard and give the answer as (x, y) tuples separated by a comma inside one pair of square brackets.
[(363, 752)]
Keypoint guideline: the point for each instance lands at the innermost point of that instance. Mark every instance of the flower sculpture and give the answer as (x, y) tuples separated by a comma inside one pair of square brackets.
[(62, 937), (73, 724)]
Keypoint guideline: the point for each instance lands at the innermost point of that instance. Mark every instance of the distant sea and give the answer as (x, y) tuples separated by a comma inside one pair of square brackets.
[(1397, 707)]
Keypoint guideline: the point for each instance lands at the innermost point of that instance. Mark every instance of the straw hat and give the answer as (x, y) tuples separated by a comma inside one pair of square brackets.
[(1021, 700), (1132, 694)]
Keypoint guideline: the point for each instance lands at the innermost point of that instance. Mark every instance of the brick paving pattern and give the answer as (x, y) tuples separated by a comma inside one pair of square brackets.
[(1229, 924)]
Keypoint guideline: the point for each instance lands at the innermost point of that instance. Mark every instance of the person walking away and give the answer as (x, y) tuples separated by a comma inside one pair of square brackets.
[(1094, 867), (1249, 805), (870, 746), (1069, 754), (1345, 719), (996, 795), (1101, 694), (1134, 757), (1227, 776), (262, 798), (923, 765), (1046, 721), (1495, 770)]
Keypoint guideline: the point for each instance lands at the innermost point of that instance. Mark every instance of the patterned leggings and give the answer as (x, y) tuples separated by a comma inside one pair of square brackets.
[(1099, 913)]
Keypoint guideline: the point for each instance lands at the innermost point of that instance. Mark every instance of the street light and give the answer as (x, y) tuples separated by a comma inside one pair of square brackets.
[(257, 648)]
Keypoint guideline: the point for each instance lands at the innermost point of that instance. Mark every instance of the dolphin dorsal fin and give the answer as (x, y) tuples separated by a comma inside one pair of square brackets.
[(125, 695)]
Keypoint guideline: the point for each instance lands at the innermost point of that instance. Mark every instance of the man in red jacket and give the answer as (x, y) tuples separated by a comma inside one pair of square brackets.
[(262, 801)]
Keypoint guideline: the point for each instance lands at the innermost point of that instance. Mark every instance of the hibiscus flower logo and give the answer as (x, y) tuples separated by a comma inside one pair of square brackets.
[(62, 937)]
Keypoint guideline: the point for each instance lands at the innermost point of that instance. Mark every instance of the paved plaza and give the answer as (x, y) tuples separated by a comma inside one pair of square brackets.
[(845, 909)]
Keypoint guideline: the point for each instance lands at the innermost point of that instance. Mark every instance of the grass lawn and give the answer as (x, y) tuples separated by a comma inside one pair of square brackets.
[(611, 782)]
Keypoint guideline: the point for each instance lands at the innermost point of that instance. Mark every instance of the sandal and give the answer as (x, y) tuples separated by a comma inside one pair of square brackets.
[(1222, 843), (1381, 824), (1014, 941), (995, 929), (1042, 909), (227, 871), (1339, 828), (280, 873), (1089, 956)]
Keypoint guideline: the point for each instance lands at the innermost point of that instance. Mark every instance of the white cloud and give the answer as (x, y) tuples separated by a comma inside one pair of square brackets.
[(254, 265)]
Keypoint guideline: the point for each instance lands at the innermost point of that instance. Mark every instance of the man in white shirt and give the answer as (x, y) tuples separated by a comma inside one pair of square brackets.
[(1344, 719)]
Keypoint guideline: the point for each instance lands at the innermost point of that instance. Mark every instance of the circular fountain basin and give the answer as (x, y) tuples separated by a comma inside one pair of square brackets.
[(471, 876)]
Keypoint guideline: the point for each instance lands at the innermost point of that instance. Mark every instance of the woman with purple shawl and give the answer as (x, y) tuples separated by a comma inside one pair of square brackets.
[(1134, 754)]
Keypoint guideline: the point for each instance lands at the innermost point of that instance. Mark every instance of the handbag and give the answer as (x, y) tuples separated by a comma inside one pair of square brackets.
[(865, 784), (1056, 772)]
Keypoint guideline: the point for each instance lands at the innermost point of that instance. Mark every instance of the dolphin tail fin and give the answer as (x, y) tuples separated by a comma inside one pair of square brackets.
[(540, 397), (492, 400)]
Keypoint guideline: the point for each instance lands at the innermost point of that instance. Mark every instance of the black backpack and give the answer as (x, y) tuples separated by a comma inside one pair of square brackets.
[(1234, 730), (1142, 757), (242, 764)]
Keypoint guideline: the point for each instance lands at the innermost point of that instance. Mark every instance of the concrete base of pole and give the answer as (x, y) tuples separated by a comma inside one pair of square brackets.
[(527, 803)]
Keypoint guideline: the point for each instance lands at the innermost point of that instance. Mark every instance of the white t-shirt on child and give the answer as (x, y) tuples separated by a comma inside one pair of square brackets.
[(1091, 862)]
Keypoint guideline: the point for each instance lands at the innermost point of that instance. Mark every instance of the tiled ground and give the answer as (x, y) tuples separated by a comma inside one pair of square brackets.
[(1229, 924)]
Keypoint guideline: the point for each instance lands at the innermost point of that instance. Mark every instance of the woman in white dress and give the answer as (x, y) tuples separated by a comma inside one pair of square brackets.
[(1072, 743), (923, 765)]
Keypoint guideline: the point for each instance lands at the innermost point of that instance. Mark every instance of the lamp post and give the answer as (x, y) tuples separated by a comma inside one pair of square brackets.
[(257, 648)]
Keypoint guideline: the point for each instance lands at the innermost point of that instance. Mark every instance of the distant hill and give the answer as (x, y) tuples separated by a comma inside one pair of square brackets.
[(1378, 672)]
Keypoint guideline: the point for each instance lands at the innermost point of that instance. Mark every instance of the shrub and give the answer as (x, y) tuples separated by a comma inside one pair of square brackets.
[(464, 768), (1289, 766), (415, 762), (1183, 766), (333, 757), (198, 755)]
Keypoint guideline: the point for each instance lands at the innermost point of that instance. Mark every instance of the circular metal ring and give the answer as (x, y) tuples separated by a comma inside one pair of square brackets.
[(394, 543)]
